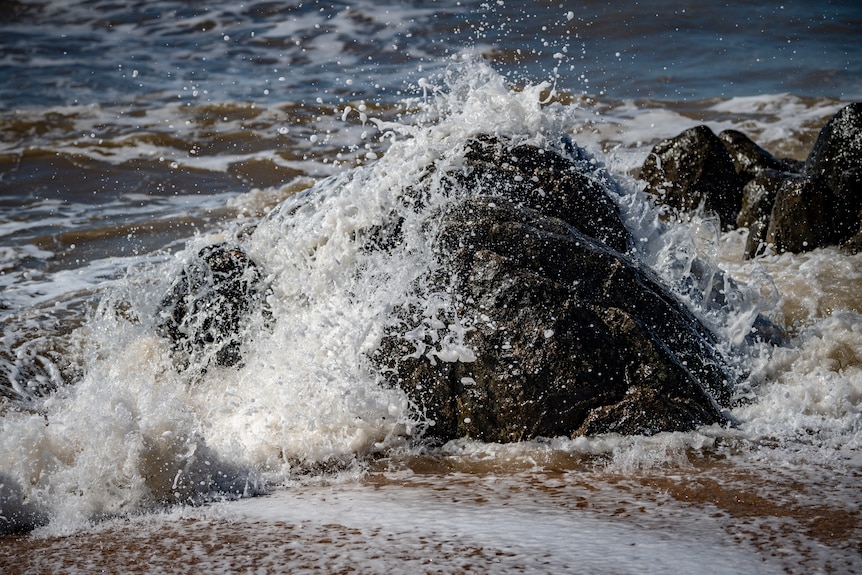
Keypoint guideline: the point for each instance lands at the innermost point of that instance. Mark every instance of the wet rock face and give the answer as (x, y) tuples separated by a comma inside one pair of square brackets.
[(549, 184), (792, 206), (560, 333), (209, 306), (758, 197), (836, 159), (837, 154), (750, 160), (802, 216), (694, 170)]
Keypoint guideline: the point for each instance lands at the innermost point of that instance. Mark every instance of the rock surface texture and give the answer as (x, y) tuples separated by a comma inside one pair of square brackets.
[(694, 171), (788, 205), (561, 332), (209, 306)]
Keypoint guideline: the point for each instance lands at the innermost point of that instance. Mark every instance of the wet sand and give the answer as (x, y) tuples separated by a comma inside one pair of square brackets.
[(712, 517)]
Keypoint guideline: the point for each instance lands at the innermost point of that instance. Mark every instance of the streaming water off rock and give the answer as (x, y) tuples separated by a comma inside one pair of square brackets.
[(111, 454)]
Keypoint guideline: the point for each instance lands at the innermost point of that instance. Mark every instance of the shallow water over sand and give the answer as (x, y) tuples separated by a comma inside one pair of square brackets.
[(704, 517)]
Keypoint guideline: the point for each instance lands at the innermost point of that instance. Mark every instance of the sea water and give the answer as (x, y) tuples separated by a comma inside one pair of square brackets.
[(134, 136)]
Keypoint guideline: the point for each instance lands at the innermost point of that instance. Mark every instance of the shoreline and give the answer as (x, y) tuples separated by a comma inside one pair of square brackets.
[(716, 517)]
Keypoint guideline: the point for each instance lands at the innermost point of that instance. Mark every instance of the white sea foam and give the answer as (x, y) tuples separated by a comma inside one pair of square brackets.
[(536, 537), (807, 395), (460, 525)]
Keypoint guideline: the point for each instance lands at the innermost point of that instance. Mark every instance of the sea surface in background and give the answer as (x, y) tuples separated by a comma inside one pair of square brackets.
[(133, 134)]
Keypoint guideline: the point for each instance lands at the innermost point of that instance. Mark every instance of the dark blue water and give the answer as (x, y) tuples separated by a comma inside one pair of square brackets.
[(81, 52)]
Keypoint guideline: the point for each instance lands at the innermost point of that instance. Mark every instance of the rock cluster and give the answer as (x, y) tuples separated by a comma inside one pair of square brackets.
[(566, 334), (551, 327), (789, 205)]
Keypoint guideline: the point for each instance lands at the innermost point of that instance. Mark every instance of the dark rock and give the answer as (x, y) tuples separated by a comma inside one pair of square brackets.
[(764, 330), (694, 170), (801, 218), (549, 184), (822, 206), (551, 331), (758, 197), (749, 159), (794, 206), (836, 156), (210, 305), (19, 515), (853, 245), (762, 175)]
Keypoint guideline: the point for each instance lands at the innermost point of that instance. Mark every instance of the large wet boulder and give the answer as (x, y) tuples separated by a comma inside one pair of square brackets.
[(836, 159), (837, 154), (211, 304), (552, 329), (788, 205)]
